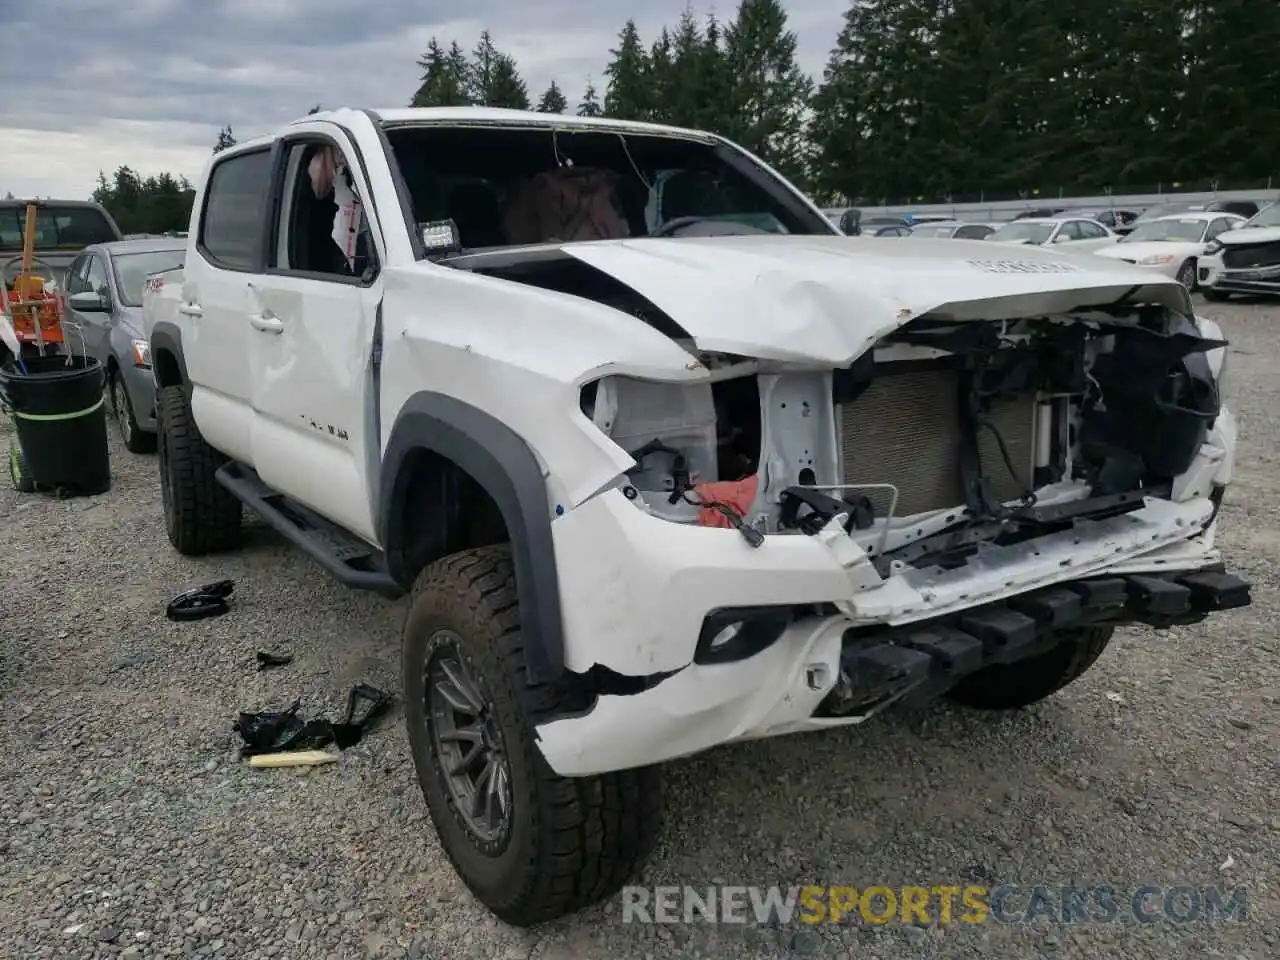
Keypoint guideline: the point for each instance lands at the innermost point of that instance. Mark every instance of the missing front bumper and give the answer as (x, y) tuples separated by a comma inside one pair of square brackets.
[(919, 661)]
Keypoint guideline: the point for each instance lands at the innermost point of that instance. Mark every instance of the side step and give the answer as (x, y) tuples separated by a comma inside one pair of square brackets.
[(348, 559)]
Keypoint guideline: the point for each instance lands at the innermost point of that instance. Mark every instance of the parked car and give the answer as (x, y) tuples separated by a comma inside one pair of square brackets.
[(1070, 234), (586, 424), (1244, 260), (1242, 208), (1172, 245), (888, 230), (1039, 213), (1118, 221), (63, 229), (105, 285), (954, 230)]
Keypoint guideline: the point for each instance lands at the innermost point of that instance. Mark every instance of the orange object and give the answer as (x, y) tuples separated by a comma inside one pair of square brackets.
[(736, 494), (36, 312)]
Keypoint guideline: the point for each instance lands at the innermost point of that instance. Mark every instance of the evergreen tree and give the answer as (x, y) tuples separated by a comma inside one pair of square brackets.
[(685, 103), (769, 92), (145, 205), (553, 100), (225, 139), (590, 105), (628, 94), (445, 78), (506, 88)]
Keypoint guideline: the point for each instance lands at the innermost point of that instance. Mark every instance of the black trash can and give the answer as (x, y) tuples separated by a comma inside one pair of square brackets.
[(61, 422)]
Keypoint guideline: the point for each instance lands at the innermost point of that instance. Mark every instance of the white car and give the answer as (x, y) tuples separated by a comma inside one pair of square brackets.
[(1245, 260), (1173, 245), (1078, 234), (660, 460)]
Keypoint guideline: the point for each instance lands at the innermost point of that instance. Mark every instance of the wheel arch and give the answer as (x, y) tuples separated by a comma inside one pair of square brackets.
[(447, 467), (168, 365)]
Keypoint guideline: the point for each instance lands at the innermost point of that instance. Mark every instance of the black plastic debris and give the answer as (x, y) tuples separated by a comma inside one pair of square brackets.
[(284, 731), (211, 600), (267, 660)]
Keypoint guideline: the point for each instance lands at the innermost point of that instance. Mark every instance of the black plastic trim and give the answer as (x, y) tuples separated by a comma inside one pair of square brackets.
[(168, 337), (504, 466), (761, 628)]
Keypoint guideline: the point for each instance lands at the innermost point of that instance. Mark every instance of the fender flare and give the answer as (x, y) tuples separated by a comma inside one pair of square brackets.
[(168, 337), (504, 466)]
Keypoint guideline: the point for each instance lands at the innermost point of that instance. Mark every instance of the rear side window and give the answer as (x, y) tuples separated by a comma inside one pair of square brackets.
[(57, 227), (231, 228)]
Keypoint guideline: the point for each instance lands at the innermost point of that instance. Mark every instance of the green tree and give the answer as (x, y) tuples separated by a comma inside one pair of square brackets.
[(553, 100), (445, 80), (590, 105), (662, 78), (225, 139), (153, 204), (506, 88), (628, 94), (770, 93)]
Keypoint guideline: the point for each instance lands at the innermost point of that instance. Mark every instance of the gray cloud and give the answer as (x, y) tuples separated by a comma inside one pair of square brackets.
[(149, 82)]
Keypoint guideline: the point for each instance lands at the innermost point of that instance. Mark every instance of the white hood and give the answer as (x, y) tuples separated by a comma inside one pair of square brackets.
[(827, 299), (1174, 249), (1249, 235)]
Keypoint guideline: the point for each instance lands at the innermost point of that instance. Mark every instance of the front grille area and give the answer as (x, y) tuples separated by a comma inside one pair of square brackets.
[(1238, 257), (904, 429)]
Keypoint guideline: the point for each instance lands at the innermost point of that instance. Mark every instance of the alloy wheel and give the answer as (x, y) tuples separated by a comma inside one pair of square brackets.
[(472, 761)]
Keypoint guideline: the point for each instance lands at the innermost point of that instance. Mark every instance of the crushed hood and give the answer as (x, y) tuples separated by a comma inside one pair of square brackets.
[(827, 299)]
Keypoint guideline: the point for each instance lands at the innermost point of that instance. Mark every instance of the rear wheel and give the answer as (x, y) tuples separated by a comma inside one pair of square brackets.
[(1012, 685), (200, 516), (531, 845)]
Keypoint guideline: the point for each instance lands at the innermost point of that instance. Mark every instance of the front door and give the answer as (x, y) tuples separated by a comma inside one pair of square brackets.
[(214, 300), (311, 325)]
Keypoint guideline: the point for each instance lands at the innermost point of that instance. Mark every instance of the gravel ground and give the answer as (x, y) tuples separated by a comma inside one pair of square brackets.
[(131, 829)]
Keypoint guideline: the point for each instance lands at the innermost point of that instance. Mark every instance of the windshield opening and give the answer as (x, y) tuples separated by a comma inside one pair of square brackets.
[(57, 227), (1021, 230), (132, 270), (509, 187), (1180, 231)]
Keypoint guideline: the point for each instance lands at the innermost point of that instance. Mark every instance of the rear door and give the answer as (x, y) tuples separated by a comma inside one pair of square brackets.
[(214, 304), (311, 329)]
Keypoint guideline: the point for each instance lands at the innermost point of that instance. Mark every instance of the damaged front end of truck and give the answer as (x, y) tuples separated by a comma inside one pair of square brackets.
[(856, 509)]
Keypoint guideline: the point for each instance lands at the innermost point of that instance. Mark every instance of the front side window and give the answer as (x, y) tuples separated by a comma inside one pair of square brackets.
[(323, 228), (95, 280), (235, 201)]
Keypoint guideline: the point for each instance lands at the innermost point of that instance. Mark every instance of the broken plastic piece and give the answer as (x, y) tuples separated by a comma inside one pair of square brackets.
[(268, 660), (211, 600), (284, 731)]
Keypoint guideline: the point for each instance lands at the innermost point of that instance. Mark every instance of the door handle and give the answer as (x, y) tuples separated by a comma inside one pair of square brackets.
[(267, 322), (192, 310)]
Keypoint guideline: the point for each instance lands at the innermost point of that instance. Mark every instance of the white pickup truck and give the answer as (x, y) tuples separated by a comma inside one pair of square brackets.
[(663, 460)]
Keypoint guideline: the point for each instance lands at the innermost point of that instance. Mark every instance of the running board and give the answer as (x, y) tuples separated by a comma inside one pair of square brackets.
[(347, 559)]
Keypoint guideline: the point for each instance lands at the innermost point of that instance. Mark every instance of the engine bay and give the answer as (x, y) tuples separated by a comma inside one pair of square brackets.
[(944, 436)]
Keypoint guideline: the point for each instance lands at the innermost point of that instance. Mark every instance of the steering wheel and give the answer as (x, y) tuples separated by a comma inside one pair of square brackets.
[(675, 224)]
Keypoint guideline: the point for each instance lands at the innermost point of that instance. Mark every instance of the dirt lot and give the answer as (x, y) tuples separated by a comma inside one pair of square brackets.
[(131, 829)]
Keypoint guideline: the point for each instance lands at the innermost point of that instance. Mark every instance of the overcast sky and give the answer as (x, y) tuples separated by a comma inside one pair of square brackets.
[(149, 83)]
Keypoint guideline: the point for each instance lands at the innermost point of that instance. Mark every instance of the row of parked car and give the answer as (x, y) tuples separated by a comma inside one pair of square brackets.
[(1220, 248)]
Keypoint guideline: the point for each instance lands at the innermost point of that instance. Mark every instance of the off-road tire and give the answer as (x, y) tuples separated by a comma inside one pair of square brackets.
[(1215, 296), (572, 841), (1008, 686), (134, 438), (200, 515), (19, 475)]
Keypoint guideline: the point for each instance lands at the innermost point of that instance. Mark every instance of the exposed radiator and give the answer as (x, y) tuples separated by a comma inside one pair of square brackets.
[(904, 429)]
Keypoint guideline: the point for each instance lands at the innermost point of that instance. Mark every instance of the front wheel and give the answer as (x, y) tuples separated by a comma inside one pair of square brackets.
[(531, 845), (135, 439), (1187, 275), (1007, 686)]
